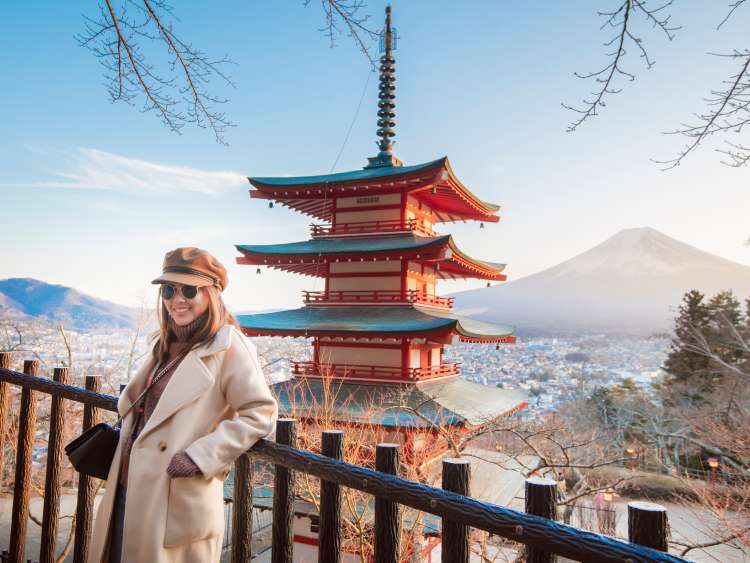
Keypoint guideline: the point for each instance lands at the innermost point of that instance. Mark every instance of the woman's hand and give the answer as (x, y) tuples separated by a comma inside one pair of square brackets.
[(182, 466)]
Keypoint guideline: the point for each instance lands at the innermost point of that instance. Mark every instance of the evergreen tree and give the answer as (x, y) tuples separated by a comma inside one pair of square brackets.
[(683, 363), (725, 306), (725, 322)]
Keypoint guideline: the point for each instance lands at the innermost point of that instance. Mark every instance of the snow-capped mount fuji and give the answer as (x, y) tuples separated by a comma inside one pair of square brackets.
[(631, 283)]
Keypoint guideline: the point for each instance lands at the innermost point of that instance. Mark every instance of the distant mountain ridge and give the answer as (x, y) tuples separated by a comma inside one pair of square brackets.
[(58, 303), (630, 283)]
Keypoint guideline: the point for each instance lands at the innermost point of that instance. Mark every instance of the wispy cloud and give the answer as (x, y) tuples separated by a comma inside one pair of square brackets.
[(93, 169)]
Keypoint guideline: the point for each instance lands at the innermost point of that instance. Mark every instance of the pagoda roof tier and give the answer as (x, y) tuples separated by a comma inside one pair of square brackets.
[(446, 402), (306, 257), (373, 322), (433, 182)]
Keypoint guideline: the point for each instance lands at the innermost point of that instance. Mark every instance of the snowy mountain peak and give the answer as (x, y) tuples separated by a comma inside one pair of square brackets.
[(631, 282), (639, 251)]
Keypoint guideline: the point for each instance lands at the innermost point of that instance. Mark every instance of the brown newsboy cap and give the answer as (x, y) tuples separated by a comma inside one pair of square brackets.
[(192, 266)]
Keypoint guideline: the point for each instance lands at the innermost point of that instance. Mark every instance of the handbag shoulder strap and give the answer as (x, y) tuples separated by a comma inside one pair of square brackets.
[(156, 378)]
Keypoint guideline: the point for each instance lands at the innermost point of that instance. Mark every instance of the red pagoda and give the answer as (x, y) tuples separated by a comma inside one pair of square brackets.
[(379, 327)]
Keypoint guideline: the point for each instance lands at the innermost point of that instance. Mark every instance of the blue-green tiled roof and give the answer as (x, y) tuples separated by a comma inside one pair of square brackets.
[(395, 320), (448, 402), (346, 245), (364, 174)]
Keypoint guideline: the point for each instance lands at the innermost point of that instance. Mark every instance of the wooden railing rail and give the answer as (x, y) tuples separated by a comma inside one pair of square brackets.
[(374, 372), (377, 296), (459, 512), (30, 383), (91, 398), (535, 531)]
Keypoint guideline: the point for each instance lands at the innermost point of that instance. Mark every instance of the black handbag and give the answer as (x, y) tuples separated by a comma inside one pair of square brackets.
[(92, 452)]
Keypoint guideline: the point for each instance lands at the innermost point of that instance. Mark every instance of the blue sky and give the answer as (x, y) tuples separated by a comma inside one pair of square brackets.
[(95, 193)]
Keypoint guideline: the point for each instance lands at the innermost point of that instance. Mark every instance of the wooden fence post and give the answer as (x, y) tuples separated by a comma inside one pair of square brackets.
[(329, 546), (386, 513), (541, 500), (51, 511), (456, 478), (283, 497), (86, 484), (242, 510), (24, 449), (647, 525), (5, 362)]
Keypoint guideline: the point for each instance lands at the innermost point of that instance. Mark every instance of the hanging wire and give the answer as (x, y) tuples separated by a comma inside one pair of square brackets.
[(354, 120), (335, 162), (318, 262)]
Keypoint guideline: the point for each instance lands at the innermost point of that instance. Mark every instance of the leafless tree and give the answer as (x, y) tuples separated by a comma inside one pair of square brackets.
[(728, 112), (727, 107), (174, 87), (144, 316), (673, 437), (146, 62), (346, 15), (623, 21)]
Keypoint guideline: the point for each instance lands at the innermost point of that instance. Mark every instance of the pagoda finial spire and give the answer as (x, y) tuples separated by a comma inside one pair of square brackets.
[(386, 100)]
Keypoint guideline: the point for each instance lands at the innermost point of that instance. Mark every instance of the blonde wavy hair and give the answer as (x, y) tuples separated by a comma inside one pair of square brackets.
[(218, 316)]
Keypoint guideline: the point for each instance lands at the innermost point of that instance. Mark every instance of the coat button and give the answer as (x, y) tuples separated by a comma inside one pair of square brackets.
[(162, 446)]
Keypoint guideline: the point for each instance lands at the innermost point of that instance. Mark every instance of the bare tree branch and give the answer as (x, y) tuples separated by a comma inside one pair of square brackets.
[(720, 541), (732, 8), (177, 92), (621, 20), (347, 14), (729, 112)]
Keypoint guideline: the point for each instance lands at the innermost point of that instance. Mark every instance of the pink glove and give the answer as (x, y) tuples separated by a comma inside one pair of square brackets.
[(182, 466)]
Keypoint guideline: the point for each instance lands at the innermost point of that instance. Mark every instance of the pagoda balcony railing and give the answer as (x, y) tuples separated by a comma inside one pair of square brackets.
[(377, 296), (374, 372), (459, 512), (372, 227)]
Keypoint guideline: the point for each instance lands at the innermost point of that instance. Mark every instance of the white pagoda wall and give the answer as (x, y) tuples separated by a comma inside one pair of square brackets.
[(366, 266), (366, 283), (367, 215), (353, 356), (358, 209)]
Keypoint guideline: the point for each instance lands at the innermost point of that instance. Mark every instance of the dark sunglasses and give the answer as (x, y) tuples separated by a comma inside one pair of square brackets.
[(188, 291)]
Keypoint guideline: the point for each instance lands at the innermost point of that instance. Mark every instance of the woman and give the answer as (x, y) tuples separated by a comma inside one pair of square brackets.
[(208, 403)]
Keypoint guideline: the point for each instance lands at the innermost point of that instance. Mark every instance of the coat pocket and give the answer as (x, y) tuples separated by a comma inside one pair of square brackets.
[(195, 510)]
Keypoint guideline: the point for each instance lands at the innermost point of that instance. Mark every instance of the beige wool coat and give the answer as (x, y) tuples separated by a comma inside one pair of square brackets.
[(215, 406)]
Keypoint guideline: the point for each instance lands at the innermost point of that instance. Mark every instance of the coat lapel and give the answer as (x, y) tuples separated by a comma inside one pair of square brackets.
[(189, 380)]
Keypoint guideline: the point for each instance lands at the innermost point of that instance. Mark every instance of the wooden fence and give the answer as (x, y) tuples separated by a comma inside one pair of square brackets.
[(542, 536)]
